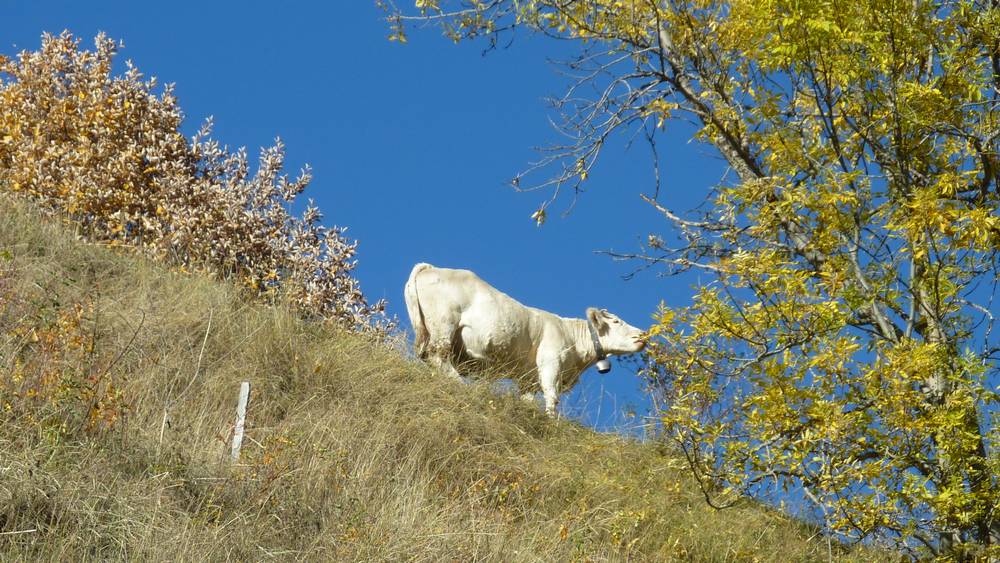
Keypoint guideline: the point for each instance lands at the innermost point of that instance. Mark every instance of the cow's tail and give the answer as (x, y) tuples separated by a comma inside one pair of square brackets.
[(420, 334)]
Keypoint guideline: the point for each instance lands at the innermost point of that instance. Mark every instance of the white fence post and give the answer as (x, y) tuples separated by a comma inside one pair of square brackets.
[(241, 416)]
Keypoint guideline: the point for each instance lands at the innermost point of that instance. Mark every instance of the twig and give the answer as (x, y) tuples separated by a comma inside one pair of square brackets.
[(18, 532), (121, 354), (201, 354), (170, 403)]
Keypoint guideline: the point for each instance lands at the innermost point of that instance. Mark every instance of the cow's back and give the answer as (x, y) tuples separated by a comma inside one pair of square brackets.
[(491, 324), (445, 288)]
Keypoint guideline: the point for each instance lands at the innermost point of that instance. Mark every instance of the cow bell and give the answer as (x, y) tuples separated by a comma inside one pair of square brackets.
[(603, 365)]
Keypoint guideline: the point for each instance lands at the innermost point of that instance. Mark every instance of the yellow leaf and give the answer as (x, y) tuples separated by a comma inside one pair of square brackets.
[(539, 216)]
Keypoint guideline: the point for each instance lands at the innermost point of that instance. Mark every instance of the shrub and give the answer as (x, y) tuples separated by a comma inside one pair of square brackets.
[(108, 152)]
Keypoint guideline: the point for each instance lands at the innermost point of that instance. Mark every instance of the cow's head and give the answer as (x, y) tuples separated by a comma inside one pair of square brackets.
[(616, 335)]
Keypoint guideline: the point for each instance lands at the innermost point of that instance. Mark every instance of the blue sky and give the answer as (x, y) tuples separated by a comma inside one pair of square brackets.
[(411, 147)]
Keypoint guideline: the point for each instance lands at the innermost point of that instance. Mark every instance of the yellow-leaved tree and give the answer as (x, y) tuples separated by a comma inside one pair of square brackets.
[(844, 348)]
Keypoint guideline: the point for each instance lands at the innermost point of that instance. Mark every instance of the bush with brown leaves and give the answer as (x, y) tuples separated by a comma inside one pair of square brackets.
[(108, 152)]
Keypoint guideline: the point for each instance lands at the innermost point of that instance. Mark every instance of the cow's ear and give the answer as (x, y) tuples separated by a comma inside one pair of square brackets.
[(596, 318)]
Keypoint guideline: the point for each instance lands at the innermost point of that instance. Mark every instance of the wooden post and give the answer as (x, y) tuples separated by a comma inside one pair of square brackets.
[(241, 416)]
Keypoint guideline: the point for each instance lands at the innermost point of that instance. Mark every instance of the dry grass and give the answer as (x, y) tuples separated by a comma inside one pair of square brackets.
[(354, 453)]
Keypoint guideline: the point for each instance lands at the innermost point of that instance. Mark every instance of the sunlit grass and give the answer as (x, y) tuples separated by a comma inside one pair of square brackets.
[(353, 451)]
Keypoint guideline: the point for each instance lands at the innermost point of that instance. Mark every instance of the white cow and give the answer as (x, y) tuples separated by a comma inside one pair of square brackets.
[(457, 318)]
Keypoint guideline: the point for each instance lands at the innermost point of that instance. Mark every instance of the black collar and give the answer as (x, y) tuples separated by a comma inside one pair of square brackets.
[(597, 342)]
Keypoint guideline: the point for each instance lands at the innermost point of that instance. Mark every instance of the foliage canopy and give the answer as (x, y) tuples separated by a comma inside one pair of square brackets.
[(845, 346)]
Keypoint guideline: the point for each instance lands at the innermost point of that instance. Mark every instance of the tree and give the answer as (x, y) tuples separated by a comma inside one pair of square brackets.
[(845, 346)]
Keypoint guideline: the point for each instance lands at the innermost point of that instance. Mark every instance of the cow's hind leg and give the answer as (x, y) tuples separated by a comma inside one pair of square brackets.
[(526, 391), (444, 365), (441, 350)]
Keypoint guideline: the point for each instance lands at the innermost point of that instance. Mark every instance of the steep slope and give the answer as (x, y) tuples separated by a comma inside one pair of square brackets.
[(117, 392)]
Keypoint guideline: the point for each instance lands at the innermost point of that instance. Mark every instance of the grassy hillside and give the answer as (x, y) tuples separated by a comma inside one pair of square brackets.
[(117, 395)]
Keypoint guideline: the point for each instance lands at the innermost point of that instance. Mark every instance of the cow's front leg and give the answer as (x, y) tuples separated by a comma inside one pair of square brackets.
[(548, 378)]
